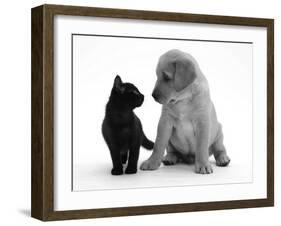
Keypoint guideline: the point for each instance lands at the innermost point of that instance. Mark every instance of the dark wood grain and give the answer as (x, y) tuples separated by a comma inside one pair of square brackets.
[(42, 113), (270, 111), (37, 158), (43, 107)]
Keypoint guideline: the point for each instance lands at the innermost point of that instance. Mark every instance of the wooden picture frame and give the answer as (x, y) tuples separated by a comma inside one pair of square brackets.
[(42, 203)]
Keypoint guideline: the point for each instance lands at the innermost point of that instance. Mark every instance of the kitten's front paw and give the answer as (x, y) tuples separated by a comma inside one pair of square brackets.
[(131, 170), (203, 168), (150, 164), (117, 171)]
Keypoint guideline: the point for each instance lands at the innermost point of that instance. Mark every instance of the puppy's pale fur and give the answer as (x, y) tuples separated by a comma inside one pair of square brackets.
[(188, 125)]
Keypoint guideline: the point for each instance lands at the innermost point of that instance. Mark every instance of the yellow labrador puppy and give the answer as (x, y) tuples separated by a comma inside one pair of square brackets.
[(188, 127)]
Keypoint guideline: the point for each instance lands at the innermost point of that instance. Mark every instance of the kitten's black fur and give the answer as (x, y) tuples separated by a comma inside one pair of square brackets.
[(122, 129)]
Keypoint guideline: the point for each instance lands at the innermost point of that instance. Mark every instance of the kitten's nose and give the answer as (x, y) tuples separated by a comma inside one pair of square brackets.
[(140, 101), (142, 98)]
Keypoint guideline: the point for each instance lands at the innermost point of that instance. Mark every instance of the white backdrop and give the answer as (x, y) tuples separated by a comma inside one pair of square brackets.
[(15, 112)]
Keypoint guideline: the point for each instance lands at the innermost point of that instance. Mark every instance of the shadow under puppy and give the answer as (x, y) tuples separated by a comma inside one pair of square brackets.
[(122, 129)]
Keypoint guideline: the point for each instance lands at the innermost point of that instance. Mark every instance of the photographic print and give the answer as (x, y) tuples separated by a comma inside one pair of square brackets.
[(182, 82), (141, 112)]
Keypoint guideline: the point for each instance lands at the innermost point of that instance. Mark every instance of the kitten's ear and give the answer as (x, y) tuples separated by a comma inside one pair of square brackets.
[(118, 83)]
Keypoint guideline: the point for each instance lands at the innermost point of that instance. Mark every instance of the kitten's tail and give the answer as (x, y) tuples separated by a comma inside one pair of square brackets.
[(146, 143)]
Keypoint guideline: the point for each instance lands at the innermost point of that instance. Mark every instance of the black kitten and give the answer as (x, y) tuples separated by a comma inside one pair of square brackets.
[(122, 129)]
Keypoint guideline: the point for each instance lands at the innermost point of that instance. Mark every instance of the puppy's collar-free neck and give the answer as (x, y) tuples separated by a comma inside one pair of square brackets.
[(186, 93)]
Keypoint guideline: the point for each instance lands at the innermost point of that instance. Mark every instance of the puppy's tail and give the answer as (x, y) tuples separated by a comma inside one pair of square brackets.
[(146, 143)]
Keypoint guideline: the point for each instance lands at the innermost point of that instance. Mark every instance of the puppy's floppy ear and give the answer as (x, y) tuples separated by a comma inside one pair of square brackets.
[(184, 73), (118, 83)]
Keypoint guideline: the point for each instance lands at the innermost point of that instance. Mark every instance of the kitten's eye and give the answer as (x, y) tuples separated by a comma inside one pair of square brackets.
[(166, 77), (135, 92)]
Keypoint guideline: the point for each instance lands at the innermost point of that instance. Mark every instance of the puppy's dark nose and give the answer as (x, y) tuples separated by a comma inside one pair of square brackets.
[(155, 95)]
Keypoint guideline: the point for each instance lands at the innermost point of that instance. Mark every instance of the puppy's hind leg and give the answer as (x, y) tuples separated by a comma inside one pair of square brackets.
[(188, 158), (172, 157), (218, 149)]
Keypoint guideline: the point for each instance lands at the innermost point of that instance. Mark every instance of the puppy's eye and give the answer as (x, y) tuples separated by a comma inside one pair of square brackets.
[(165, 77)]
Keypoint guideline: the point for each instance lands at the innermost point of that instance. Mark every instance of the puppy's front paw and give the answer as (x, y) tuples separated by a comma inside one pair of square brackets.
[(117, 171), (203, 168), (150, 164)]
